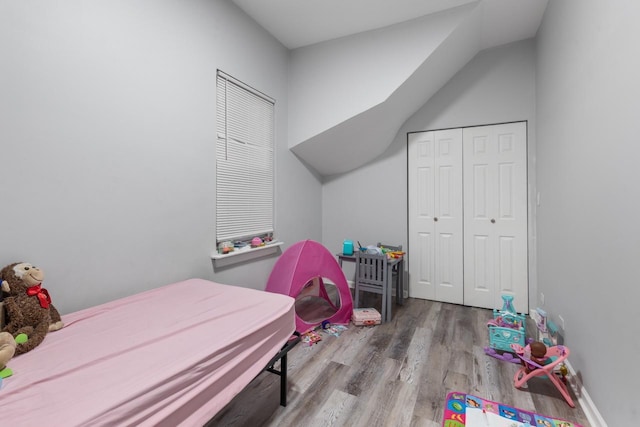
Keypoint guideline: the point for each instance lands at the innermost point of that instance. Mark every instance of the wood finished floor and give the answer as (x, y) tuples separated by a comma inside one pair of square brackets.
[(395, 374)]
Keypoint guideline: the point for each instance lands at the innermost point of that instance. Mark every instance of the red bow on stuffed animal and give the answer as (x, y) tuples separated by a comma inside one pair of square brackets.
[(41, 293)]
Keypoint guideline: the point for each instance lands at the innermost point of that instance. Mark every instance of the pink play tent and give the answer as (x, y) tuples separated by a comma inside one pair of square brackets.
[(305, 263)]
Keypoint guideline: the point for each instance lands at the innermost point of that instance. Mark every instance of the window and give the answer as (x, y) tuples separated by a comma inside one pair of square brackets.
[(244, 161)]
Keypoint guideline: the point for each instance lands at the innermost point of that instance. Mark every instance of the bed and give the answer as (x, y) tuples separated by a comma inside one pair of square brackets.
[(171, 356)]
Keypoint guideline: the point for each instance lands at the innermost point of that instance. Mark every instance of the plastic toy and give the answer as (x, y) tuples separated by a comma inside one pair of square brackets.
[(563, 371), (505, 357), (334, 330), (225, 247), (540, 317), (550, 336), (311, 337), (533, 356), (347, 247), (554, 357), (506, 328), (366, 317)]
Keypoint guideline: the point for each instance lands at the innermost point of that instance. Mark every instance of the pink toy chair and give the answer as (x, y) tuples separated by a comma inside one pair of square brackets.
[(308, 261), (554, 356)]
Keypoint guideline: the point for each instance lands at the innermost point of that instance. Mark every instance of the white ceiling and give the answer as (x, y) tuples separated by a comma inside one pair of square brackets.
[(297, 23), (327, 142)]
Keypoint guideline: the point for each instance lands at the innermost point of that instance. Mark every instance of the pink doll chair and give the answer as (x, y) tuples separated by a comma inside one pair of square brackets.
[(308, 262), (531, 369)]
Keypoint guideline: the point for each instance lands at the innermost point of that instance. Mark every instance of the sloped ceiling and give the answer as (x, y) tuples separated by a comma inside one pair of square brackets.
[(297, 23), (360, 68)]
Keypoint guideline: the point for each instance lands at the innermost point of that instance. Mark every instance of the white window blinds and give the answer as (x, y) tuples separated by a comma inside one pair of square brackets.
[(244, 161)]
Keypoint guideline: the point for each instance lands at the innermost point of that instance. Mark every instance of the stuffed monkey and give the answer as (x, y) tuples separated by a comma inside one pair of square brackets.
[(28, 307)]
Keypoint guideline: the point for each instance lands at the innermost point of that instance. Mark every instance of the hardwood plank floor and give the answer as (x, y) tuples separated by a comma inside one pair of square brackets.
[(394, 374)]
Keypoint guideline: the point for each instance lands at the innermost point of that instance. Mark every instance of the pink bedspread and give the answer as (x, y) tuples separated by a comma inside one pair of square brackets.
[(171, 356)]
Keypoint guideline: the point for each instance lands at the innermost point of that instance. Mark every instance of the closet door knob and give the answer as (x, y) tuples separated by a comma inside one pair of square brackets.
[(435, 218), (493, 221)]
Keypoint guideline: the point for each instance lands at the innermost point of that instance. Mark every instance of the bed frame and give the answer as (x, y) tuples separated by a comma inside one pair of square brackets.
[(282, 373)]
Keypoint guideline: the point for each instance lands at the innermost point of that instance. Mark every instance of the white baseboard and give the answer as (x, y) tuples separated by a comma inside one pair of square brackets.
[(589, 408)]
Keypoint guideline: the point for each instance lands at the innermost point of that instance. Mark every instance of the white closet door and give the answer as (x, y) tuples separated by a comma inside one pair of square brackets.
[(495, 218), (435, 215)]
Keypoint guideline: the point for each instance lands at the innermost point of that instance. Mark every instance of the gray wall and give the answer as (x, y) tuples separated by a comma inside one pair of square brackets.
[(107, 129), (370, 203), (588, 103)]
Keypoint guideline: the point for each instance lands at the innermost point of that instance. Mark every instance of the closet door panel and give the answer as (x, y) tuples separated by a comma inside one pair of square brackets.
[(479, 266), (449, 216), (421, 193), (496, 211), (435, 215), (425, 267), (448, 288)]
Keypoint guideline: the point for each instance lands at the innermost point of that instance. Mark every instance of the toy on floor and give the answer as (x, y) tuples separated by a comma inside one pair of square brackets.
[(554, 357), (533, 356), (550, 336), (334, 330), (311, 337), (563, 371), (466, 410), (366, 317), (539, 316), (506, 328)]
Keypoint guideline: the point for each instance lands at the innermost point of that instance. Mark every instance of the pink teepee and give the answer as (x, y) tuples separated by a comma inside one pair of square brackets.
[(308, 261)]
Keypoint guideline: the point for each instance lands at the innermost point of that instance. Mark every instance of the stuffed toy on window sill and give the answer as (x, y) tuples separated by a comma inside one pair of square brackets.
[(30, 315)]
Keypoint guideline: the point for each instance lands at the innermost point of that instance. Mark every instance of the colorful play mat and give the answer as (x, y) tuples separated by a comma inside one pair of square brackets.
[(466, 410)]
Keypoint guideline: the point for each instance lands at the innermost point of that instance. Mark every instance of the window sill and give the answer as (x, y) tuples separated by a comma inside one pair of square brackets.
[(245, 254)]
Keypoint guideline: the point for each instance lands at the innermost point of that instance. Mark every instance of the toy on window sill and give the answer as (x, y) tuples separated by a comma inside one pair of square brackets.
[(225, 247)]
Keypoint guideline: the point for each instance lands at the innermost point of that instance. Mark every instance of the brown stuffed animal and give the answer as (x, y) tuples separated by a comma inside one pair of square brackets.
[(28, 307)]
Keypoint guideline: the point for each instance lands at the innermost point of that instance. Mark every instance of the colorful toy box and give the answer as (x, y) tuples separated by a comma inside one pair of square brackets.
[(365, 317)]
